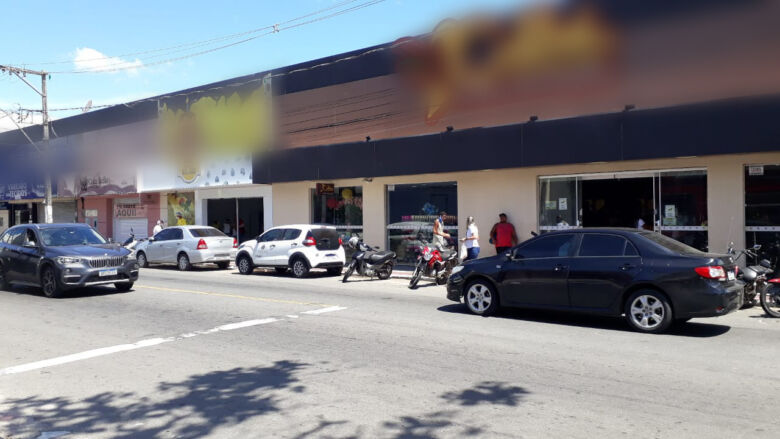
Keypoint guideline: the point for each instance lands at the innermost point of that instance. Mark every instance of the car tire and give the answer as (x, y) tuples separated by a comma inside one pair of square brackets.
[(281, 270), (142, 261), (335, 271), (223, 265), (123, 286), (183, 262), (50, 284), (3, 281), (245, 265), (300, 268), (481, 298), (649, 311)]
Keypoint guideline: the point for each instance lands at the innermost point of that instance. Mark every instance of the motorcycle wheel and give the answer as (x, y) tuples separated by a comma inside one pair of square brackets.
[(770, 301), (385, 272), (349, 272), (415, 277)]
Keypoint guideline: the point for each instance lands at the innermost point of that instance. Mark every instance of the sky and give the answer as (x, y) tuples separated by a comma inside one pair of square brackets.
[(90, 35)]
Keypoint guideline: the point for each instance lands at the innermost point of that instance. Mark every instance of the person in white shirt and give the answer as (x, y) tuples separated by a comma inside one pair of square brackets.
[(157, 228), (471, 241), (640, 223)]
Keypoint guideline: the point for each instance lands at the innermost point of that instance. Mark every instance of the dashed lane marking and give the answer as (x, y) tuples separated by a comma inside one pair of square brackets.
[(148, 343), (232, 296)]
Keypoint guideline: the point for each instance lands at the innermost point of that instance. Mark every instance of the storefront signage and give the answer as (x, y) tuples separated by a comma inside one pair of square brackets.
[(670, 211), (129, 211), (91, 213), (563, 204), (326, 188), (755, 170)]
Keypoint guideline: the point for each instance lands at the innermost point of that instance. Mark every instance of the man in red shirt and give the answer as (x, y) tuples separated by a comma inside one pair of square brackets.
[(503, 235)]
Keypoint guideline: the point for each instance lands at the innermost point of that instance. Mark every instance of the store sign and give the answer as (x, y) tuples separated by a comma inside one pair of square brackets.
[(91, 213), (755, 170), (326, 188), (129, 211)]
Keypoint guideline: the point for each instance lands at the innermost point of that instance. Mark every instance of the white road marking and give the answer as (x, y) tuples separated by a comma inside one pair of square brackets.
[(324, 310), (52, 434), (146, 343), (292, 316)]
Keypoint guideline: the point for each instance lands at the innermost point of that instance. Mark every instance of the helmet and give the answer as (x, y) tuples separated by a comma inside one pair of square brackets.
[(353, 242)]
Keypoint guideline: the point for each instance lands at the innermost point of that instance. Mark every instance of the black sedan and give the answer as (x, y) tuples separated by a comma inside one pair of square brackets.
[(649, 278), (59, 257)]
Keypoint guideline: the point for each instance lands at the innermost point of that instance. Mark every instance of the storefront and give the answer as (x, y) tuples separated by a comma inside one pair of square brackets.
[(762, 208), (242, 212), (340, 206)]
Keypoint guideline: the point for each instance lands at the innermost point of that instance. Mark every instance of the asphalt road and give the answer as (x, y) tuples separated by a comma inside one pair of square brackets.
[(215, 354)]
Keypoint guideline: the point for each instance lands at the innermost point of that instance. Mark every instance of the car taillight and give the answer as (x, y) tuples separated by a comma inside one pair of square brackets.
[(235, 242), (712, 272), (309, 241), (202, 245)]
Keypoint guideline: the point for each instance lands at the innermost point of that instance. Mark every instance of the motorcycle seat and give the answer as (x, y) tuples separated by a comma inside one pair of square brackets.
[(381, 256), (446, 254)]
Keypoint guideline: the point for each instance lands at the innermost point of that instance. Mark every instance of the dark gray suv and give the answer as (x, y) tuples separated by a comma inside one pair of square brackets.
[(60, 257)]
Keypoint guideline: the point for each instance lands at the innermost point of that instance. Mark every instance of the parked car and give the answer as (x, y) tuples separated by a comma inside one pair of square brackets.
[(61, 257), (186, 246), (299, 248), (649, 278)]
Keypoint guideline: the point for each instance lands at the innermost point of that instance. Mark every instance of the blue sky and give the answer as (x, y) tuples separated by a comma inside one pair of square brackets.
[(47, 31)]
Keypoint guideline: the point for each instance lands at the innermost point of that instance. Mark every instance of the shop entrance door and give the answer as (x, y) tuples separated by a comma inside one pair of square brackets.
[(618, 202), (241, 218)]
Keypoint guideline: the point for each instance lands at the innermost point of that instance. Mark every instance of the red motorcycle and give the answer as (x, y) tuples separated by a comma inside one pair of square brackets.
[(435, 263)]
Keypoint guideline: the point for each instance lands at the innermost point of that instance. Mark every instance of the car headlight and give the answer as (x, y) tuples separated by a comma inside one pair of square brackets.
[(131, 256), (68, 260), (457, 269)]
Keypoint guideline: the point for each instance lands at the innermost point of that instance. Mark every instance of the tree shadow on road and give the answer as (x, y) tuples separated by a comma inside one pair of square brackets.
[(487, 392), (689, 329), (190, 408)]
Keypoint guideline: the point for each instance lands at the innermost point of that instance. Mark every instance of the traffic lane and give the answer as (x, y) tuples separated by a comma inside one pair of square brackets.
[(346, 374), (36, 328)]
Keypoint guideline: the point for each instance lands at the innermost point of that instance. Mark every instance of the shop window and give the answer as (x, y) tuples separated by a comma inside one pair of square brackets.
[(559, 203), (411, 210), (343, 209), (682, 207), (762, 210)]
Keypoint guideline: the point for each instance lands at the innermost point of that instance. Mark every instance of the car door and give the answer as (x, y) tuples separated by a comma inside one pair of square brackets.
[(172, 245), (284, 245), (29, 254), (265, 244), (536, 273), (155, 249), (603, 268), (10, 255)]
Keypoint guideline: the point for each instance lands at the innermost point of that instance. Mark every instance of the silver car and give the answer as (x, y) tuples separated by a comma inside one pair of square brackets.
[(186, 246)]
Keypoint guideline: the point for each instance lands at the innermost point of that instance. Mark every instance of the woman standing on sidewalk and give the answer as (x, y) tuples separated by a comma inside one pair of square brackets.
[(471, 240)]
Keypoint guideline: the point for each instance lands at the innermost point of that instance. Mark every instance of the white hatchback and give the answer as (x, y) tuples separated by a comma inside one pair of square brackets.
[(299, 248), (186, 246)]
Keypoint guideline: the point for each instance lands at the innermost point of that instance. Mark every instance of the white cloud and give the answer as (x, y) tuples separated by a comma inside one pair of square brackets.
[(95, 61)]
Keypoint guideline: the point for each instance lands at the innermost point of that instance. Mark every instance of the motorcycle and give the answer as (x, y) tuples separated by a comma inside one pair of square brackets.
[(435, 263), (367, 261), (770, 298), (754, 276), (131, 243)]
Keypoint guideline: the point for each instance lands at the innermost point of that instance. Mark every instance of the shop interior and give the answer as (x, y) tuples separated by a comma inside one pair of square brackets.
[(241, 218)]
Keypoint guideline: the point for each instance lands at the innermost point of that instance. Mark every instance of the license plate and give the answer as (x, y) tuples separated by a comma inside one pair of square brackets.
[(222, 255), (731, 275), (111, 272), (331, 255)]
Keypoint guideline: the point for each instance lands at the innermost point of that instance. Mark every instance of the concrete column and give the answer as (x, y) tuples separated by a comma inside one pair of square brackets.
[(374, 214), (725, 203)]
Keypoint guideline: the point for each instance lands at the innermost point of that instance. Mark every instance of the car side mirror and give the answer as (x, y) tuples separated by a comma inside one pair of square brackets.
[(110, 240), (150, 239), (514, 254), (30, 244)]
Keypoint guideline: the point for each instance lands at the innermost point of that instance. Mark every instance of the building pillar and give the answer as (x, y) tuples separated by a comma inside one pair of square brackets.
[(725, 204), (374, 214)]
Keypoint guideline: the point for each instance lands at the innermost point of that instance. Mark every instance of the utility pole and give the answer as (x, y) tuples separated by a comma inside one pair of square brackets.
[(22, 73)]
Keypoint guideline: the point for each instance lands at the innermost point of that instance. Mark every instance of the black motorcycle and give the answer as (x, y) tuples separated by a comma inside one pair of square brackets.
[(367, 261), (755, 277)]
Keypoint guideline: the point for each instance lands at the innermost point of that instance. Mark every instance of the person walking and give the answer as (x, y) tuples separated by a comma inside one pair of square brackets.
[(471, 241), (158, 227), (503, 234), (439, 235)]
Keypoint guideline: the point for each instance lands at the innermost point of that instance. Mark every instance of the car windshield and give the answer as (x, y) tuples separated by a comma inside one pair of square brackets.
[(64, 236), (670, 244), (205, 233)]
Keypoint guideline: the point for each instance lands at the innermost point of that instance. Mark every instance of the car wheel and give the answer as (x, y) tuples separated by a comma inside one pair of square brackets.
[(281, 270), (123, 286), (49, 283), (3, 281), (245, 265), (300, 268), (481, 298), (183, 262), (649, 311), (223, 265), (142, 261), (335, 271)]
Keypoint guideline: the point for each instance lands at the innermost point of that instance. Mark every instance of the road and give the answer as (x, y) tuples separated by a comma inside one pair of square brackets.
[(215, 354)]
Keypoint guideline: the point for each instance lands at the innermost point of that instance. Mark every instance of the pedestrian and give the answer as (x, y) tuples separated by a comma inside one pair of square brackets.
[(503, 234), (227, 228), (158, 227), (439, 235), (471, 240)]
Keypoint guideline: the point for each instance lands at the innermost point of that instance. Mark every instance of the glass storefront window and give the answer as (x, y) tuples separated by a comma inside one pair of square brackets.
[(343, 209), (558, 203), (762, 210), (682, 207), (411, 210)]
